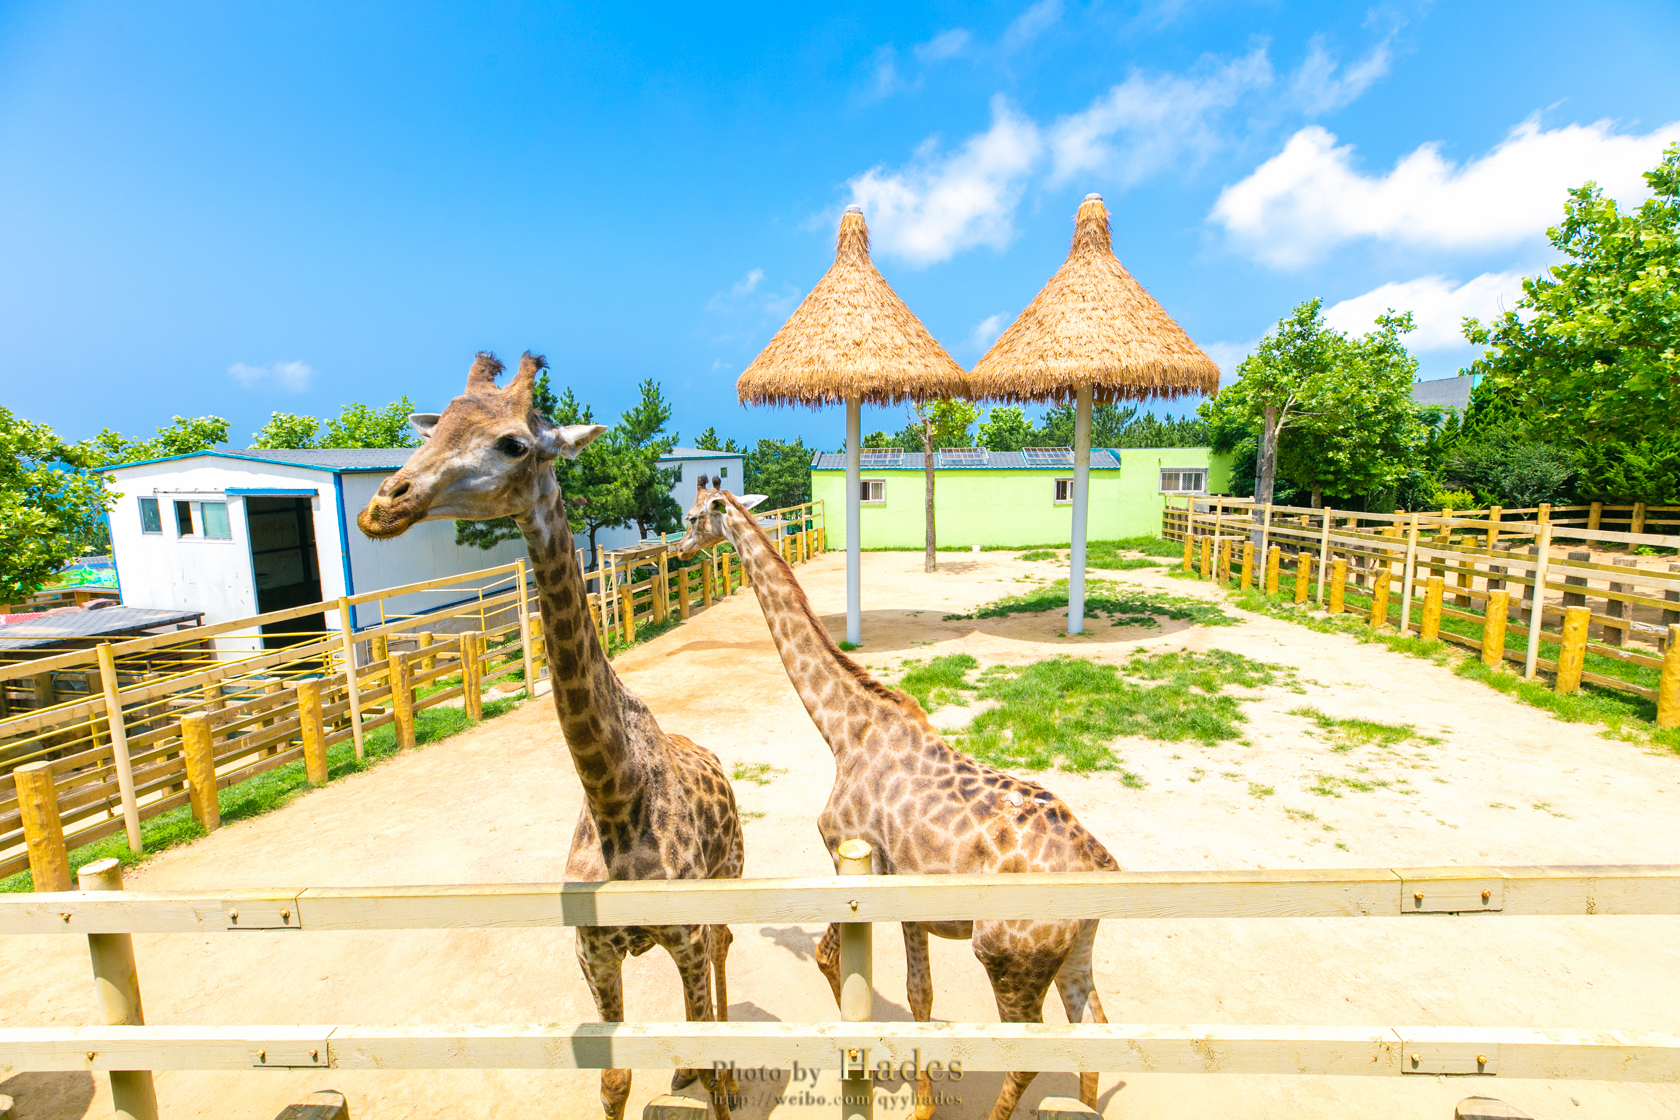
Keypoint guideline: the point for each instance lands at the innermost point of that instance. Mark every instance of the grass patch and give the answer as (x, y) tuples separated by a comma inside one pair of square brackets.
[(1255, 789), (1149, 546), (1210, 670), (849, 646), (939, 681), (1039, 554), (268, 791), (1124, 606), (1345, 734), (761, 773)]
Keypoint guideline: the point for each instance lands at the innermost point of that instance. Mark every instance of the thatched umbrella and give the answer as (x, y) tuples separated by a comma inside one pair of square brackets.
[(1091, 333), (852, 340)]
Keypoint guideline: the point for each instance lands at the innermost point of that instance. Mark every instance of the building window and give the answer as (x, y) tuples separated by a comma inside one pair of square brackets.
[(1184, 481), (183, 519), (873, 491), (150, 522), (723, 472), (214, 517), (1064, 491)]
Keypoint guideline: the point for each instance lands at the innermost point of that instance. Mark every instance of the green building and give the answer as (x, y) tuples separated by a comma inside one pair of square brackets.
[(1011, 498)]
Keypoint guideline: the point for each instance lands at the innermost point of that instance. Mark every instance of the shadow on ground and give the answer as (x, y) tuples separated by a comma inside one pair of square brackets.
[(896, 631)]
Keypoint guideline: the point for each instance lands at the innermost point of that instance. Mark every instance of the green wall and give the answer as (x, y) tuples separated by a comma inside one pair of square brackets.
[(1013, 507)]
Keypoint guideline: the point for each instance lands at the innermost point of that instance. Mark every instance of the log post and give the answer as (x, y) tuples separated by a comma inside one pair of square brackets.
[(1595, 513), (402, 698), (1494, 515), (1324, 553), (1274, 560), (1247, 565), (1408, 575), (857, 987), (1615, 608), (627, 612), (659, 592), (380, 651), (272, 688), (1207, 557), (707, 571), (1224, 575), (1379, 597), (119, 745), (1572, 654), (1668, 685), (1670, 615), (352, 683), (1493, 628), (1189, 547), (1537, 616), (1430, 629), (1338, 585), (199, 750), (1576, 598), (1303, 575), (684, 606), (428, 661), (525, 631), (1545, 513), (472, 673), (116, 984), (313, 733), (1638, 525), (43, 831)]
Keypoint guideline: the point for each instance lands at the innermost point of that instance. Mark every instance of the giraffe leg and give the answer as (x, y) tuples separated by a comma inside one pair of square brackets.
[(828, 959), (1078, 987), (919, 982), (602, 959), (1022, 958), (722, 938), (691, 949)]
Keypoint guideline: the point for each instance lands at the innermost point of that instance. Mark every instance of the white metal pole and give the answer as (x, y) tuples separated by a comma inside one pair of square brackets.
[(854, 530), (1081, 496), (119, 745)]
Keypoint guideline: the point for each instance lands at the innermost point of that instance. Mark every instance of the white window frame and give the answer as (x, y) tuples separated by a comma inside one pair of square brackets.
[(1055, 488), (157, 509), (865, 485), (1181, 471)]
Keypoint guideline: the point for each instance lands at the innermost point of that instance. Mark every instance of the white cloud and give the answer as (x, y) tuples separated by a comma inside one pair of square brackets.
[(1030, 24), (1316, 86), (1437, 304), (1309, 198), (945, 202), (293, 377), (883, 79), (719, 364), (986, 332), (748, 282), (1147, 122), (946, 44)]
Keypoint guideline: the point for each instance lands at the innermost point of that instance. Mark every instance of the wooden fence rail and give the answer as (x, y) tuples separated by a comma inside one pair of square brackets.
[(110, 917), (1612, 607)]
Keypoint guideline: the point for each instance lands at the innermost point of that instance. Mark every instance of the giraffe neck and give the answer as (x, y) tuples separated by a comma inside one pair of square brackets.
[(598, 715), (835, 690)]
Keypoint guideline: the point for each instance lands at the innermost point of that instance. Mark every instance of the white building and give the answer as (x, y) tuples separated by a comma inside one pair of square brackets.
[(240, 532)]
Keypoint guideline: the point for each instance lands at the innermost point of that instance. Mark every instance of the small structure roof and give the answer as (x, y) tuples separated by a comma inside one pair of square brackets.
[(1102, 459), (51, 630), (852, 337), (337, 460), (1093, 324)]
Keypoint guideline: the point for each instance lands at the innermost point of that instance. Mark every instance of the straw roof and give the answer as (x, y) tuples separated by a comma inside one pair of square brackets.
[(1093, 324), (851, 337)]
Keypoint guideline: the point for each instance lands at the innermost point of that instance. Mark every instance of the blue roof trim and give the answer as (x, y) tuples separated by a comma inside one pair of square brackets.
[(1102, 459), (340, 468), (271, 492)]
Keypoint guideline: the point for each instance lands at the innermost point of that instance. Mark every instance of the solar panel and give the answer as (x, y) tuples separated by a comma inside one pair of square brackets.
[(962, 456), (1048, 456), (878, 458)]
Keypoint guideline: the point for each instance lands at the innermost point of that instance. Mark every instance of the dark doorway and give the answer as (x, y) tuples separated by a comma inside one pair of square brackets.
[(287, 567)]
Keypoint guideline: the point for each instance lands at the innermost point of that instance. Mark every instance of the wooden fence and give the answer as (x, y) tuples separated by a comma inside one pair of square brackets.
[(130, 1049), (194, 717), (1614, 610)]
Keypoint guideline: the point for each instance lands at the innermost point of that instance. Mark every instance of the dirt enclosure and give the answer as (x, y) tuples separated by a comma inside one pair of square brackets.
[(1484, 781)]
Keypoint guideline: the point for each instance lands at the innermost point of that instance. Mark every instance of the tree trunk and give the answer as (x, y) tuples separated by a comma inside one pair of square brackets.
[(1318, 498), (931, 561), (1265, 477)]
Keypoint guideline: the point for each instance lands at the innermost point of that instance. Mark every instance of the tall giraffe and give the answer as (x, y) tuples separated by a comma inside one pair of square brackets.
[(657, 806), (923, 807)]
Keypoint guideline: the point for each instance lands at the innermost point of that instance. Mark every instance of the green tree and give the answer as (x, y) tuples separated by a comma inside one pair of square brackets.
[(1593, 351), (359, 425), (183, 436), (780, 470), (709, 441), (287, 431), (1007, 428), (642, 441), (51, 500)]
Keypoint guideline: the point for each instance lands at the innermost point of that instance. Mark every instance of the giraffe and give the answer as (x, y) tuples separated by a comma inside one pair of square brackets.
[(657, 806), (923, 807)]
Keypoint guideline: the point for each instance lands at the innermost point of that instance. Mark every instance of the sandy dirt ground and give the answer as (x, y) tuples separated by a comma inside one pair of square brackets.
[(1488, 782)]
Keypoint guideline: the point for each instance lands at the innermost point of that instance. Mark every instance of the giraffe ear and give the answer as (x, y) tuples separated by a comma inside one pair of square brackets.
[(569, 440), (423, 423), (753, 501)]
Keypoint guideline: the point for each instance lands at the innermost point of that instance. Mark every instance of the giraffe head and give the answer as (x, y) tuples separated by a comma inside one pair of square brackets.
[(705, 516), (481, 458)]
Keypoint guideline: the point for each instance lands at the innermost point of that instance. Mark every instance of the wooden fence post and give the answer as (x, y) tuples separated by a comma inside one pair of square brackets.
[(1303, 575), (428, 662), (1572, 654), (1324, 554), (676, 1108), (1430, 628), (1379, 597), (199, 752), (1576, 598), (1493, 628), (1207, 557), (116, 984), (1615, 608), (313, 734), (1247, 565), (119, 745), (627, 612), (379, 650), (1537, 616), (402, 698), (1595, 513), (1338, 585), (1408, 568), (1670, 615), (472, 671), (707, 570), (1494, 515), (1224, 569), (1638, 525), (1668, 685), (1545, 513), (43, 831), (857, 987), (352, 683), (525, 632), (684, 607), (1189, 548), (1274, 559)]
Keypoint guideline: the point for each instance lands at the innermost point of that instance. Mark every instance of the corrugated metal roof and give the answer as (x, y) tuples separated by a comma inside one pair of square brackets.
[(90, 624), (1448, 392), (698, 453), (319, 459), (1102, 459)]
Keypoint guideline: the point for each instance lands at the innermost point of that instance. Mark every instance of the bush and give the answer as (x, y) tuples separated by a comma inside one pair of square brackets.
[(1503, 467), (1646, 471)]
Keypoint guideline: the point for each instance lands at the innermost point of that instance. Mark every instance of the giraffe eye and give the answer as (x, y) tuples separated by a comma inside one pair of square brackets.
[(510, 447)]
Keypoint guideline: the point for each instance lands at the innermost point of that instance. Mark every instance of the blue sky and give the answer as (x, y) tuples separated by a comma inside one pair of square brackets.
[(235, 209)]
